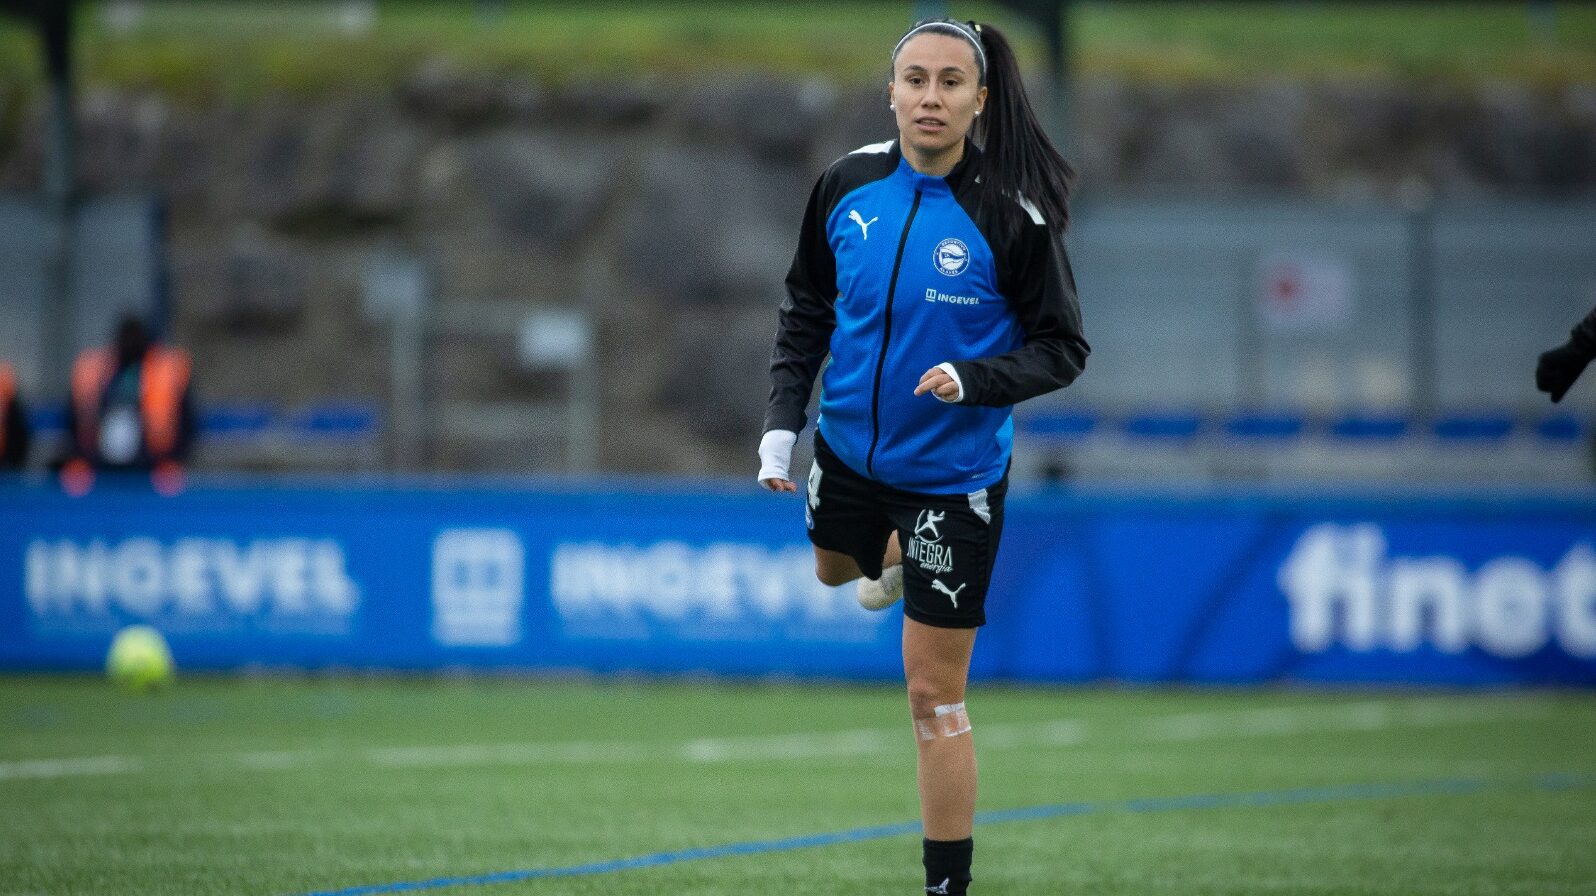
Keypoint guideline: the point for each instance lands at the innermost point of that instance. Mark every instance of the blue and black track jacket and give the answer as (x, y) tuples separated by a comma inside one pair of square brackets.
[(897, 272)]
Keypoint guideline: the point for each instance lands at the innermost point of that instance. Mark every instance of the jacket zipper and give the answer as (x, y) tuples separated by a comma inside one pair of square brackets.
[(886, 338)]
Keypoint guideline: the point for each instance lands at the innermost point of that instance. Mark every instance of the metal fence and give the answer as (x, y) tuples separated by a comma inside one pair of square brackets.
[(1258, 303), (1234, 339), (110, 263), (1271, 339)]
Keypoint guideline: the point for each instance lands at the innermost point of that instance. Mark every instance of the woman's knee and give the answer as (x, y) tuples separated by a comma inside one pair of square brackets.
[(925, 695), (832, 575), (833, 568)]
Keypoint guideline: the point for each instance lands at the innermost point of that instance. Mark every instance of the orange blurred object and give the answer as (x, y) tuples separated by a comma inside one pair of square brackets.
[(77, 477), (168, 478)]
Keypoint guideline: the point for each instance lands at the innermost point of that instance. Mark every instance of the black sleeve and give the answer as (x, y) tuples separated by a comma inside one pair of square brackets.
[(1041, 289), (808, 316), (1584, 334), (17, 435)]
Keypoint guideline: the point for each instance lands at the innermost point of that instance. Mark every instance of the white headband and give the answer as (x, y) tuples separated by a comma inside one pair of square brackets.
[(947, 27)]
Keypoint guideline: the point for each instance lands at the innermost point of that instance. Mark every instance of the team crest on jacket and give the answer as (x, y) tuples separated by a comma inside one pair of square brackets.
[(951, 257)]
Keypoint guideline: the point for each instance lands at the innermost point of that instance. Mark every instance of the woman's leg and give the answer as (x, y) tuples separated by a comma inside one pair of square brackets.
[(835, 568), (936, 663)]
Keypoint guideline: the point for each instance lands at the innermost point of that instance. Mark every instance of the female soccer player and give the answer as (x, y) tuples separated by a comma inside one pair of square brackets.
[(931, 268)]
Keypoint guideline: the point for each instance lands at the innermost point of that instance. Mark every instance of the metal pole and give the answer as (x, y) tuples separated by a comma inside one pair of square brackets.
[(1251, 379), (398, 291), (406, 348), (1058, 34), (55, 30), (1542, 15), (1421, 296), (585, 389), (582, 421)]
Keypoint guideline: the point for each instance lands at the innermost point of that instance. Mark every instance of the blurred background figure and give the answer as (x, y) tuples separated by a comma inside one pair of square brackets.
[(14, 430), (1560, 367), (131, 410)]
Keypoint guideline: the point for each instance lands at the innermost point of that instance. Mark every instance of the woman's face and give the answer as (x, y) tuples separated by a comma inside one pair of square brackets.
[(935, 92)]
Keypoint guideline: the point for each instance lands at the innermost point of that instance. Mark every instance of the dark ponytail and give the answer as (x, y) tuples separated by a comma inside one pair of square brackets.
[(1020, 160)]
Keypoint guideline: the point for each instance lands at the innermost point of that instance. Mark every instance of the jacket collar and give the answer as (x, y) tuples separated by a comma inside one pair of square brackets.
[(964, 174)]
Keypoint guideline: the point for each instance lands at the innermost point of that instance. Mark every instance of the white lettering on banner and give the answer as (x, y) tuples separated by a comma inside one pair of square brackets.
[(1429, 588), (478, 587), (1511, 596), (672, 581), (191, 577), (1576, 601), (1343, 589)]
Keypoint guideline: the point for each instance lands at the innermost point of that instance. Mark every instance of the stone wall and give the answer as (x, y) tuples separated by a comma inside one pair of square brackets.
[(668, 210)]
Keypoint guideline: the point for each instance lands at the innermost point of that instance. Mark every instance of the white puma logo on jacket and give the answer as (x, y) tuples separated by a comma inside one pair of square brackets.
[(864, 226)]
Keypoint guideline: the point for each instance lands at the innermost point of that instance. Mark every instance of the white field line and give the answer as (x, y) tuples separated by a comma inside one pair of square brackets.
[(1369, 715), (1275, 721), (1057, 733), (557, 753), (792, 746), (67, 768), (818, 745)]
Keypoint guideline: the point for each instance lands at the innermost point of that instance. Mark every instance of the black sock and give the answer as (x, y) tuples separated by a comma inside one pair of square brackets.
[(947, 865)]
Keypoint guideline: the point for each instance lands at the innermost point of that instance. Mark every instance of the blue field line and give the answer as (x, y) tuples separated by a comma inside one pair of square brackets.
[(1444, 786)]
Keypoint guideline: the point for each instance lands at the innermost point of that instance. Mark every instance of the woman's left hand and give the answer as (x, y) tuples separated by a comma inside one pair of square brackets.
[(937, 382)]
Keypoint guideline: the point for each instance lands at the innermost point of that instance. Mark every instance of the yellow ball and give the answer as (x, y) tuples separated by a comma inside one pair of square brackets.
[(139, 659)]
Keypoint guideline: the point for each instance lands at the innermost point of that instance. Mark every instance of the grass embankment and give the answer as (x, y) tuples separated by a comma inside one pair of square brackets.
[(233, 49)]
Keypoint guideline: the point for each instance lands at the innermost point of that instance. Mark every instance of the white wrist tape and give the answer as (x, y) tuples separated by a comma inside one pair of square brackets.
[(775, 454)]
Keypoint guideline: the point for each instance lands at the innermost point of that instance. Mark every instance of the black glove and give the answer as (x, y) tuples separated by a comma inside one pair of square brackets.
[(1559, 368)]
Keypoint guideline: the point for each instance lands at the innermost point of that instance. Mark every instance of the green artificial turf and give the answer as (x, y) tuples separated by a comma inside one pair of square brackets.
[(282, 786)]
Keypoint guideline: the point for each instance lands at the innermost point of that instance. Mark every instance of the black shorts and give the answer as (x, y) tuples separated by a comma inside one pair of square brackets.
[(948, 541)]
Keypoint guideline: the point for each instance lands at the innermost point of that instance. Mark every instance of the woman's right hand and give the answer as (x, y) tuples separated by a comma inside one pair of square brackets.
[(775, 456)]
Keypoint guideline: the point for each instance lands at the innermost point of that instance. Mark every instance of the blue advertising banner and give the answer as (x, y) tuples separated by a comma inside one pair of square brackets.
[(1145, 588)]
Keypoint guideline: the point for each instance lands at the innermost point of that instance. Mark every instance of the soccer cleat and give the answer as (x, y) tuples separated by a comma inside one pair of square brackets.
[(879, 594)]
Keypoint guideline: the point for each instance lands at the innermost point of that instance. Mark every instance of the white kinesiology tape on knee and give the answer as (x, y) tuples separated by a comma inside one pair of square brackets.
[(950, 720)]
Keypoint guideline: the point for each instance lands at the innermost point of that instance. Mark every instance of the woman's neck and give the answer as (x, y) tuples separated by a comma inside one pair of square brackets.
[(933, 164)]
